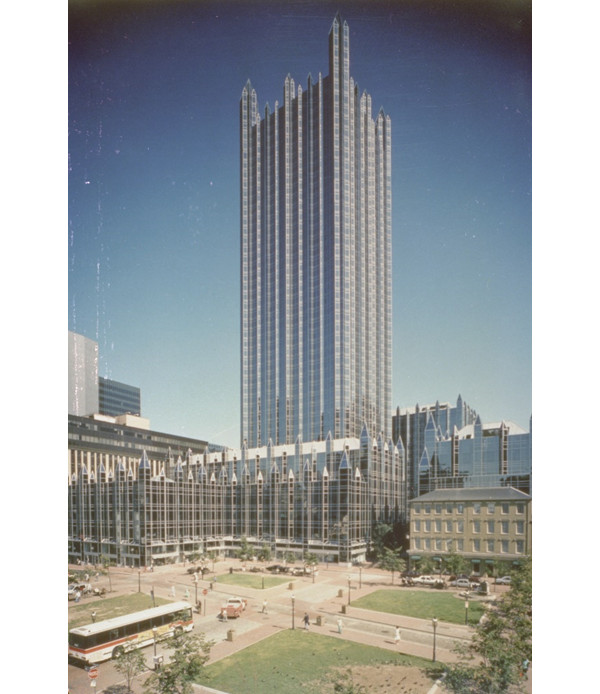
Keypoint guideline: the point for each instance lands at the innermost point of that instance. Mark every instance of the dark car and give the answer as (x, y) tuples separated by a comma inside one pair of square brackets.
[(278, 569)]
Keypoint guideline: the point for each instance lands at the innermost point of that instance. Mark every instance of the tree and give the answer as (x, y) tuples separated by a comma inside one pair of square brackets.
[(190, 653), (244, 553), (107, 562), (501, 644), (455, 563), (391, 561), (130, 664), (381, 535), (310, 559), (264, 553)]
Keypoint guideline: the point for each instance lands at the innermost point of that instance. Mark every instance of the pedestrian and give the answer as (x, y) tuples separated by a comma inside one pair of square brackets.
[(264, 607), (306, 620), (77, 596), (172, 591), (397, 635), (339, 625), (93, 616), (187, 593)]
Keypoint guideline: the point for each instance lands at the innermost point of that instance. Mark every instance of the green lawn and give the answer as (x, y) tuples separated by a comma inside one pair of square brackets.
[(425, 604), (295, 661), (106, 608), (252, 580)]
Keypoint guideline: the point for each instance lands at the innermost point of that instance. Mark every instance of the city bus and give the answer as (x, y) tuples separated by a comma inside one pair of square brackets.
[(100, 641)]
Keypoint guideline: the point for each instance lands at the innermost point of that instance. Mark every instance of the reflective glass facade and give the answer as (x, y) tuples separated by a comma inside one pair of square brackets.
[(315, 178), (449, 448), (118, 398)]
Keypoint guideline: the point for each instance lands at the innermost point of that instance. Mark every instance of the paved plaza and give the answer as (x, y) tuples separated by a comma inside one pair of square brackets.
[(325, 599)]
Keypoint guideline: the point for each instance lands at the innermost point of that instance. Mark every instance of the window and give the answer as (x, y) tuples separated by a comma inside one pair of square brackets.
[(504, 527), (477, 545), (438, 545), (490, 545), (520, 546), (448, 508), (491, 508), (476, 527), (417, 542), (417, 508), (476, 507), (448, 526), (427, 508), (520, 509), (504, 546), (438, 526), (427, 526), (460, 508), (520, 527), (427, 542), (460, 545), (417, 526), (460, 526), (490, 527), (504, 508), (438, 508)]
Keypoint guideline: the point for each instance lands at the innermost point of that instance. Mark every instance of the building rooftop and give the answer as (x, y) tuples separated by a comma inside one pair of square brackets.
[(474, 494)]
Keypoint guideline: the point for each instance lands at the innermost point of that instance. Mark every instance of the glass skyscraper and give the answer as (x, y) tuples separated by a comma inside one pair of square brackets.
[(316, 260)]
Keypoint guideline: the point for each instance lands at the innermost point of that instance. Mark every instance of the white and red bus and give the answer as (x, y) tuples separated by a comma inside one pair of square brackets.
[(100, 641)]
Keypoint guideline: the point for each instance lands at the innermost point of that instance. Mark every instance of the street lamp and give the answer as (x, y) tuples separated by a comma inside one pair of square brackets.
[(360, 577), (293, 610), (434, 622), (154, 633), (349, 580), (467, 608)]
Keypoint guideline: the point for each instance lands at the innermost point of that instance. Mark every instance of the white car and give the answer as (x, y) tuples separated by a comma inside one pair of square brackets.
[(464, 583), (426, 580), (504, 581)]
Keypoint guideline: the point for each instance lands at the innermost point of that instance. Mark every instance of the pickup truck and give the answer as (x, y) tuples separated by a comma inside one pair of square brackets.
[(233, 608)]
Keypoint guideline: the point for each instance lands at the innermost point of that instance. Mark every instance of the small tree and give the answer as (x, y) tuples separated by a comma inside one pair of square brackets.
[(190, 654), (264, 553), (107, 562), (391, 561), (455, 563), (381, 536), (310, 559), (244, 553), (130, 664)]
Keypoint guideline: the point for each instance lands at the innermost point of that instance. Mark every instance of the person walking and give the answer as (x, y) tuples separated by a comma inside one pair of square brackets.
[(264, 607), (397, 635), (93, 617), (339, 625), (306, 620)]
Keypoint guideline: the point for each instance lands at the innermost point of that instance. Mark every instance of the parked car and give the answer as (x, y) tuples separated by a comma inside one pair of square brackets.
[(426, 580), (278, 569), (465, 584), (82, 588), (233, 608), (503, 581)]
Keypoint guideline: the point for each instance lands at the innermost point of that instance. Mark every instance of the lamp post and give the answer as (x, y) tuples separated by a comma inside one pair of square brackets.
[(196, 589), (467, 608), (434, 622), (293, 611), (154, 633), (360, 577), (349, 580)]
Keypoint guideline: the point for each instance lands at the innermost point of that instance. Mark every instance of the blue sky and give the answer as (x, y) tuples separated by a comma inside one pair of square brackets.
[(153, 191)]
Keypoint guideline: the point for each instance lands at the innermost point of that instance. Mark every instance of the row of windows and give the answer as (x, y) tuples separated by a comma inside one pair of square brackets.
[(460, 508), (491, 527), (495, 546)]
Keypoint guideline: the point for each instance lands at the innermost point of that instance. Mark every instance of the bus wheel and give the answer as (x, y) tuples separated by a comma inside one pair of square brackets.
[(119, 650)]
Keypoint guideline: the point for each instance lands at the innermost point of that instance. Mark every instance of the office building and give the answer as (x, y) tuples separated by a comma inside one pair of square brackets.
[(490, 527), (140, 497), (90, 393), (316, 266), (448, 447), (83, 375), (115, 398)]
